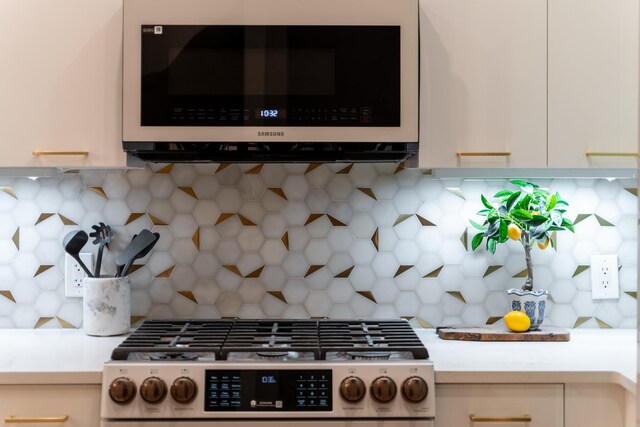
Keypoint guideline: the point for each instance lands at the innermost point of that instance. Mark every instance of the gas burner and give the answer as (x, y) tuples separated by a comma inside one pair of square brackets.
[(368, 355), (170, 357), (273, 354)]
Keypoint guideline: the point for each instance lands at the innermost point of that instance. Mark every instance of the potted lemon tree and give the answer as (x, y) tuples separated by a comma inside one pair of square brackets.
[(528, 214)]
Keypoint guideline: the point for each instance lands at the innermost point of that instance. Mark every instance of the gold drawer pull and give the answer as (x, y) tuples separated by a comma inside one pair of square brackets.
[(485, 154), (522, 419), (60, 153), (612, 154), (14, 420)]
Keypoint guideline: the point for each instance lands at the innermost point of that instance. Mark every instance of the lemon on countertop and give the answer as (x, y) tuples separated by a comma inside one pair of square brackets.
[(517, 321)]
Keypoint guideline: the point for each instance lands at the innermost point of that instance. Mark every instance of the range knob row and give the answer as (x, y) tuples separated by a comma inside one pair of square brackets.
[(384, 390), (153, 390)]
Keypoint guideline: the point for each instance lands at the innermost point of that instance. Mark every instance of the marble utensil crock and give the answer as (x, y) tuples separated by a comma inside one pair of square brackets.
[(106, 306)]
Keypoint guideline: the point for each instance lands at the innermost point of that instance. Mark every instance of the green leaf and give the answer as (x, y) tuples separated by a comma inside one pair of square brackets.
[(521, 214), (486, 202), (503, 193), (524, 203), (494, 229), (537, 232), (503, 234), (478, 226), (511, 201), (556, 217), (561, 203), (568, 225), (537, 220), (491, 245), (519, 182), (555, 228), (484, 212), (551, 203), (477, 239), (528, 188)]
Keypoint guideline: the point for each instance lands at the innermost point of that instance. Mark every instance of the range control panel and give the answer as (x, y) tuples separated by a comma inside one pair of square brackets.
[(268, 390)]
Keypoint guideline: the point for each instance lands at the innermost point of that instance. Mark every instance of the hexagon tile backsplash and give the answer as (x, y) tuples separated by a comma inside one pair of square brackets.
[(301, 241)]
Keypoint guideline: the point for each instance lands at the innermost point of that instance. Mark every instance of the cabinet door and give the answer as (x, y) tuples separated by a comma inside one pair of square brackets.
[(60, 82), (80, 403), (456, 403), (595, 405), (483, 83), (593, 82)]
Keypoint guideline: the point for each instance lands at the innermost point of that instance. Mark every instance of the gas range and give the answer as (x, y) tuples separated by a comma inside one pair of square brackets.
[(330, 371)]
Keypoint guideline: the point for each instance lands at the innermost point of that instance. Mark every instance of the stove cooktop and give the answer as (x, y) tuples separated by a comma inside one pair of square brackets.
[(272, 340)]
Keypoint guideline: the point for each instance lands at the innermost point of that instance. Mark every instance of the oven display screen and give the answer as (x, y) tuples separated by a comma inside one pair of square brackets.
[(272, 390)]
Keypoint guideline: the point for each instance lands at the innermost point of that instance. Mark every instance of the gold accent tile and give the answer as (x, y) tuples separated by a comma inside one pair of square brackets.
[(234, 269), (64, 324), (402, 218), (313, 217), (279, 192), (603, 222), (42, 269), (188, 295), (41, 321), (402, 269), (254, 274), (492, 320), (521, 275), (457, 191), (246, 221), (312, 269), (312, 167), (580, 269), (368, 295), (196, 238), (10, 191), (133, 217), (336, 222), (632, 294), (425, 222), (285, 239), (399, 168), (345, 170), (424, 324), (345, 274), (457, 295), (222, 166), (435, 273), (554, 240), (550, 298), (580, 321), (156, 221), (190, 191), (136, 319), (166, 169), (99, 191), (255, 170), (491, 269), (580, 218), (369, 192), (279, 295), (223, 217), (16, 238), (167, 273), (375, 239), (464, 239), (8, 295), (602, 324), (66, 221), (134, 268), (43, 217), (633, 191)]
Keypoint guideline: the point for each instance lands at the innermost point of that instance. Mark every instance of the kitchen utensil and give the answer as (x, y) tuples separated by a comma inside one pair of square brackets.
[(137, 245), (102, 236), (73, 243), (106, 306), (141, 254), (119, 268)]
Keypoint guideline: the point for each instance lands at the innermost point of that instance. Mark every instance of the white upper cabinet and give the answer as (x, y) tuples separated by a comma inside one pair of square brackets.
[(60, 83), (593, 83), (483, 83)]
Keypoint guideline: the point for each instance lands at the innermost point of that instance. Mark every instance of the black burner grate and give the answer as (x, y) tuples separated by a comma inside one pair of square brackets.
[(222, 337)]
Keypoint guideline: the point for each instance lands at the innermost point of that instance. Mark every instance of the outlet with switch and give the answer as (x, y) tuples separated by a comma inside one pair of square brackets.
[(604, 277), (74, 274)]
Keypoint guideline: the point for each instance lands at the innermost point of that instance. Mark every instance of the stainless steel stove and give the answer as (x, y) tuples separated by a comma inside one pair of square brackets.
[(360, 373)]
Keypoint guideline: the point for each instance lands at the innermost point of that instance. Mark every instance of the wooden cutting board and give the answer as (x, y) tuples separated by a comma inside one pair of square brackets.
[(480, 333)]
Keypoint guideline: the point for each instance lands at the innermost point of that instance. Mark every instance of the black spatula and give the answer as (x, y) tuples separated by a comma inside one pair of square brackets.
[(137, 246)]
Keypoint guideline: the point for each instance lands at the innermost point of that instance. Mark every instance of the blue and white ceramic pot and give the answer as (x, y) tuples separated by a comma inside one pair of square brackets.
[(532, 303)]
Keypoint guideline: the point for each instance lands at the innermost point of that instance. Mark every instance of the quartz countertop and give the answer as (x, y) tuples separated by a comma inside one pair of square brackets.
[(63, 356)]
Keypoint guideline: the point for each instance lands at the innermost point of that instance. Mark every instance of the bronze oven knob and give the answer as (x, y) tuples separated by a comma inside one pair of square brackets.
[(352, 389), (122, 390), (153, 390), (383, 389), (415, 389), (184, 390)]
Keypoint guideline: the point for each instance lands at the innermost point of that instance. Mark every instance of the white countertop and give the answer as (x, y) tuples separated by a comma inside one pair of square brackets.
[(63, 356)]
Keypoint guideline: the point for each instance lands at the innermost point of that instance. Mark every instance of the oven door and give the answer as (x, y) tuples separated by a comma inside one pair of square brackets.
[(281, 423), (271, 70)]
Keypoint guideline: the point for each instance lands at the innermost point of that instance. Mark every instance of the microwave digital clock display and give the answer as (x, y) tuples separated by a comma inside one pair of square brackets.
[(275, 113)]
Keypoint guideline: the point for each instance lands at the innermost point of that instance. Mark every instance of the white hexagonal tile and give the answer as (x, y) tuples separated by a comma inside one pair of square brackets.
[(183, 307), (49, 199), (384, 290), (26, 188), (408, 229), (406, 200), (251, 187), (273, 175), (318, 304), (161, 186), (384, 214), (318, 200), (429, 291), (228, 304), (250, 238), (407, 304), (362, 251), (341, 211), (251, 291), (159, 262), (24, 316), (116, 212), (361, 202), (340, 262), (362, 226), (140, 303), (273, 307), (608, 240), (182, 202), (474, 315), (317, 252), (339, 187), (387, 239), (163, 210), (340, 291), (296, 187), (319, 177), (8, 251), (451, 278), (206, 291), (385, 265), (298, 238), (296, 213), (48, 251), (385, 187), (227, 280), (583, 304), (362, 175), (228, 200), (25, 213), (408, 280), (183, 251), (25, 265), (228, 251), (253, 211), (385, 311), (296, 291), (273, 277), (340, 239), (562, 315), (406, 252), (627, 203), (428, 189), (183, 226), (319, 279), (452, 251), (295, 265), (206, 187), (138, 199), (628, 278), (362, 277), (249, 262), (273, 226)]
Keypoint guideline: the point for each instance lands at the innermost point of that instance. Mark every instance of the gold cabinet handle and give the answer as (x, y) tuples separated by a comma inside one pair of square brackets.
[(14, 420), (591, 154), (60, 153), (484, 154), (522, 419)]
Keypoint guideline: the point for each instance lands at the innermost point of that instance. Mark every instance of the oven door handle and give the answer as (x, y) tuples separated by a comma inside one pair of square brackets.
[(37, 420)]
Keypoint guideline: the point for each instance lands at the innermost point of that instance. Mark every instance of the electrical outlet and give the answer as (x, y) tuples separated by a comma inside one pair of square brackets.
[(74, 274), (604, 277)]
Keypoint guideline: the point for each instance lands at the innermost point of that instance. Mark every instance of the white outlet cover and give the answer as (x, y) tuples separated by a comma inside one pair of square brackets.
[(604, 277), (74, 274)]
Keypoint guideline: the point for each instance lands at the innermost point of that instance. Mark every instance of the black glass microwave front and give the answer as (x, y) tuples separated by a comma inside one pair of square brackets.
[(235, 75)]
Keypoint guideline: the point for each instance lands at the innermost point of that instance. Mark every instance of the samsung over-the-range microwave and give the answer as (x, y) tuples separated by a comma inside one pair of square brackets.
[(271, 80)]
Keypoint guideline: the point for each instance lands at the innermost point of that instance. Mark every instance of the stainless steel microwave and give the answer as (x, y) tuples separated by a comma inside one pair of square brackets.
[(271, 80)]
